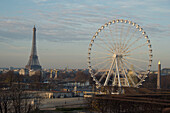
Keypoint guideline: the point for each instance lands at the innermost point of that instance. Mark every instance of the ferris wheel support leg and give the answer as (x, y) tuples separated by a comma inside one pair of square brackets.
[(125, 73), (118, 74), (113, 84), (134, 85), (108, 75)]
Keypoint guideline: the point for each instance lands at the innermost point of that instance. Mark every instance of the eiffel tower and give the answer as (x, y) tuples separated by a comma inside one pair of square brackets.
[(33, 63)]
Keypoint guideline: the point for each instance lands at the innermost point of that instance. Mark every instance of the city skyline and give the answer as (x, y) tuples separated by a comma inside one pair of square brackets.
[(64, 29)]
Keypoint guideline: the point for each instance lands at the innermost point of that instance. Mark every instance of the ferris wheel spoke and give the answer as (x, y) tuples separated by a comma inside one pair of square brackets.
[(95, 58), (134, 42), (125, 74), (104, 74), (105, 43), (131, 37), (101, 62), (135, 53), (140, 60), (113, 41), (101, 53), (135, 73), (104, 48), (102, 68), (133, 64), (111, 34), (133, 83), (127, 33), (109, 41), (116, 35), (108, 75), (136, 48), (121, 33)]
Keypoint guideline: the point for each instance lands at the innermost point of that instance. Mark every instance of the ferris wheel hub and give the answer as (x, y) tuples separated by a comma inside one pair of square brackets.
[(117, 56)]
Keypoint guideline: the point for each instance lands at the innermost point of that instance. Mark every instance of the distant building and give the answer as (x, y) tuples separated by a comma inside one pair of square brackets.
[(41, 94), (165, 71), (24, 72), (62, 94), (31, 72), (45, 74), (51, 74), (35, 72), (78, 84), (5, 71), (16, 71), (56, 74), (11, 68)]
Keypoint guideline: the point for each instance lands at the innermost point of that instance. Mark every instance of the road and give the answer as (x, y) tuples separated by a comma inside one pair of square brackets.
[(51, 104)]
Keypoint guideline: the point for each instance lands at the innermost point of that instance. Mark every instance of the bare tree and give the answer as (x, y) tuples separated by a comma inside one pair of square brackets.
[(5, 103), (16, 100)]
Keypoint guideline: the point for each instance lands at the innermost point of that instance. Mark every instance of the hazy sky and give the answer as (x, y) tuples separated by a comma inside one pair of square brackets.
[(65, 28)]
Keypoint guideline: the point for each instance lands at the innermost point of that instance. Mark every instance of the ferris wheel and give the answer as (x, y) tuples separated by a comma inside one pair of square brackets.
[(119, 54)]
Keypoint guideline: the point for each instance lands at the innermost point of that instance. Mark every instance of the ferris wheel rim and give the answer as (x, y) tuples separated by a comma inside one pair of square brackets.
[(120, 50)]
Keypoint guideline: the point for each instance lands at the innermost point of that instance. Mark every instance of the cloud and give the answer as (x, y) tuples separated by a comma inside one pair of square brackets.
[(13, 47), (14, 29), (130, 3), (70, 21), (160, 9), (157, 30), (40, 1)]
